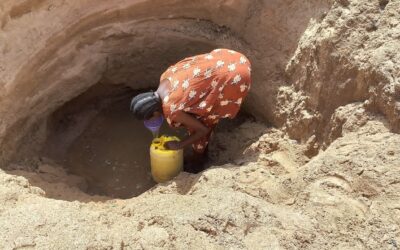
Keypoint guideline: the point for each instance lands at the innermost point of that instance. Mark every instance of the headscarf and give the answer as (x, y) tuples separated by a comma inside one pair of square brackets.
[(144, 105)]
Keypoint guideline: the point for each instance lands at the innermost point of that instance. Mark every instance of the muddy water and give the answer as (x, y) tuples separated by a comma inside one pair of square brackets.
[(112, 151)]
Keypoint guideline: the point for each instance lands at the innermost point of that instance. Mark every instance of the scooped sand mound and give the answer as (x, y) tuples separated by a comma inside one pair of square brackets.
[(346, 197)]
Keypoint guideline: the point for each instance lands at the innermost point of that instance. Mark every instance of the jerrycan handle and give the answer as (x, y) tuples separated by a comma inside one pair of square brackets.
[(158, 143)]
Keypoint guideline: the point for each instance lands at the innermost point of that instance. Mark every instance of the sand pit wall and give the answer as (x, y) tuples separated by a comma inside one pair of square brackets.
[(54, 51)]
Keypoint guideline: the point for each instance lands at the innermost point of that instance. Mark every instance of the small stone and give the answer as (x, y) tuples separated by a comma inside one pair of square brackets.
[(24, 242), (344, 3), (397, 89), (371, 27), (383, 3)]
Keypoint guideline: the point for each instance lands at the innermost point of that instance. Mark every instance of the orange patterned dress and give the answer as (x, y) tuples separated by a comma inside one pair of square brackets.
[(210, 86)]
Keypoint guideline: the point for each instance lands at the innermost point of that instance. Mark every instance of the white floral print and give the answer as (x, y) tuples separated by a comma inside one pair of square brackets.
[(192, 94), (237, 79), (173, 108), (208, 73), (231, 67), (224, 103), (203, 104), (243, 87), (209, 57), (175, 85), (214, 84), (196, 72), (242, 60), (186, 66), (185, 84), (220, 64), (166, 98)]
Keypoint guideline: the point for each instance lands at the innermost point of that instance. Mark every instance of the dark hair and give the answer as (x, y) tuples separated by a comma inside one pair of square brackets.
[(144, 105)]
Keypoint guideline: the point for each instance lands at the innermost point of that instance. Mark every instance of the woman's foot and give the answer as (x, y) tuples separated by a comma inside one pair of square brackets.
[(193, 167), (195, 163)]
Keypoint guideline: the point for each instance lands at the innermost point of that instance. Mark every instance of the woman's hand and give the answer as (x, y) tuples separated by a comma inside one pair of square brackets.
[(198, 129), (173, 145)]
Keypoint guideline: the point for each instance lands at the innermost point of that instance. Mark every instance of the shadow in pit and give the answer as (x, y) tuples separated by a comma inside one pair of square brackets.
[(96, 151)]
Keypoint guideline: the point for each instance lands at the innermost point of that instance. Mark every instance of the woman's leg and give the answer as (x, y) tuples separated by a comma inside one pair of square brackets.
[(197, 158)]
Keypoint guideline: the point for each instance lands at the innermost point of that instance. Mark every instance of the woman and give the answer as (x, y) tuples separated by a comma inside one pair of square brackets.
[(196, 93)]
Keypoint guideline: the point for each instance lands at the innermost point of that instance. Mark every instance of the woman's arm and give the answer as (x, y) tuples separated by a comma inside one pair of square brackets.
[(190, 122)]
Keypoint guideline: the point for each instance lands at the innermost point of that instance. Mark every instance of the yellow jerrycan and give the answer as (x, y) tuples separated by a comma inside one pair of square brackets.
[(165, 164)]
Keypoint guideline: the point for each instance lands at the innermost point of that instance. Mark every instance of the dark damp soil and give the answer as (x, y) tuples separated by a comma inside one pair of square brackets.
[(96, 136)]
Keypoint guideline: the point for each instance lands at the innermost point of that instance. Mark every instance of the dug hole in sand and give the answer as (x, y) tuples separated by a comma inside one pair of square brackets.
[(312, 163)]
